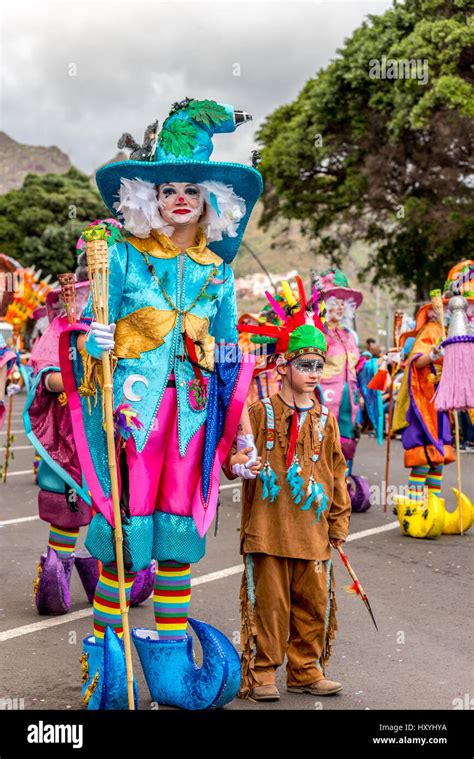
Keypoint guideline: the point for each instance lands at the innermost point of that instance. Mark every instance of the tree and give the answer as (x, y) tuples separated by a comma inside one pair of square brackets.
[(378, 146), (41, 222)]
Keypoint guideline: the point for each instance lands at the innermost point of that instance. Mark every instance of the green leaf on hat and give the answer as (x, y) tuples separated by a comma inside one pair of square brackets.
[(178, 137), (207, 112)]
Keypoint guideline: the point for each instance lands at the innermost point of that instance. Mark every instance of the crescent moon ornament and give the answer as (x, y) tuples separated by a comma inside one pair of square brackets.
[(128, 386)]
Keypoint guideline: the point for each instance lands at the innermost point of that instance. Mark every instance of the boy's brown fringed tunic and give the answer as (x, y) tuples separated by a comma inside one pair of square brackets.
[(282, 528)]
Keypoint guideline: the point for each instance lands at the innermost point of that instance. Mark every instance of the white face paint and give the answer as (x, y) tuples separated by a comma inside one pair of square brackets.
[(128, 386), (180, 203), (335, 308)]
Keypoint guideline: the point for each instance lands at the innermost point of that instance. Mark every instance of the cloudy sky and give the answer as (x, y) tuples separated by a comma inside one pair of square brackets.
[(78, 74)]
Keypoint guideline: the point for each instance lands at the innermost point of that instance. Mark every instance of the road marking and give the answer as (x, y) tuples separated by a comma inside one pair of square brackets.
[(17, 447), (17, 474), (217, 575), (14, 432), (17, 521), (372, 531), (17, 632)]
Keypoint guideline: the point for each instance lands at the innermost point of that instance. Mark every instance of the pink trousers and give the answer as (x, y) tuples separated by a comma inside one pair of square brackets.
[(159, 477)]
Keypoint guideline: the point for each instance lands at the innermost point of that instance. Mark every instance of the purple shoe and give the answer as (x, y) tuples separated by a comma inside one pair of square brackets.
[(143, 584), (88, 569), (51, 588)]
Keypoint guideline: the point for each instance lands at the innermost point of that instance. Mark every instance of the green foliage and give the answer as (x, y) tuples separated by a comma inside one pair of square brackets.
[(207, 112), (41, 222), (383, 160), (178, 137)]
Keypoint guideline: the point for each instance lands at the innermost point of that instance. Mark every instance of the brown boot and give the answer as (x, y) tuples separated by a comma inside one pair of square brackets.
[(265, 693), (320, 688)]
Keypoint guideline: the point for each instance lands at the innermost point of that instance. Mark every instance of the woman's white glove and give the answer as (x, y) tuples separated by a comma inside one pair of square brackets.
[(241, 471), (100, 339), (248, 441), (436, 352)]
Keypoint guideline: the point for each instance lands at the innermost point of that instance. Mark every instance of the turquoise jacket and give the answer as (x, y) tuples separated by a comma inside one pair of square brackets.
[(194, 284)]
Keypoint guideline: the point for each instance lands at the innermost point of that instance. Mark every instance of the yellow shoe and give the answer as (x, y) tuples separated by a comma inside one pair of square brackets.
[(416, 519), (436, 505), (452, 520)]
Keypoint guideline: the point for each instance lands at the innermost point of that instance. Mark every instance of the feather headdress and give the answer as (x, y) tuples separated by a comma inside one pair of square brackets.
[(302, 329)]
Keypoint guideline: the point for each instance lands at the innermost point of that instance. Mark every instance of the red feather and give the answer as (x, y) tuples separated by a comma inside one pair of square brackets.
[(301, 292), (293, 439), (267, 330)]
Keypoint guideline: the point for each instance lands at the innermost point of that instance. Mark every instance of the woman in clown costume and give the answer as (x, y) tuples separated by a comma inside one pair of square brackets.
[(180, 382)]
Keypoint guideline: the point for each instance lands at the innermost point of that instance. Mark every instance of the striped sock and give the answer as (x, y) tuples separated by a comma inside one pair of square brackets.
[(171, 599), (107, 601), (434, 478), (416, 483), (63, 541)]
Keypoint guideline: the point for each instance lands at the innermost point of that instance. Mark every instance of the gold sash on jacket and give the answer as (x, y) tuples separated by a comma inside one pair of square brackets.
[(145, 329)]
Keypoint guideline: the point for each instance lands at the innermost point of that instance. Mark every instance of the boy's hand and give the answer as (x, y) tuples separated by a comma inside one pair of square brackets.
[(238, 464), (335, 542)]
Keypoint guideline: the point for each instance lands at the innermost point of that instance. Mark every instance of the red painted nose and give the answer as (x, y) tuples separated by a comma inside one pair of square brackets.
[(181, 199)]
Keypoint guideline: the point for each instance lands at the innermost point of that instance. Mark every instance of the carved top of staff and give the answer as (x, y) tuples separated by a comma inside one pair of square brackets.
[(98, 270), (67, 282), (397, 327), (438, 308)]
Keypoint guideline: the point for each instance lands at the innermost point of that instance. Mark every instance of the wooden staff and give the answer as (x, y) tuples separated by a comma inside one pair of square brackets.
[(15, 376), (397, 326), (98, 268), (438, 308)]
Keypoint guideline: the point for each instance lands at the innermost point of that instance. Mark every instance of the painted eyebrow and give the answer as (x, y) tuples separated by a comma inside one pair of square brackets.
[(170, 184)]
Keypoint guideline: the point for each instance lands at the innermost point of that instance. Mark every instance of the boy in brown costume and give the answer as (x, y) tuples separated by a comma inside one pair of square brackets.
[(292, 514)]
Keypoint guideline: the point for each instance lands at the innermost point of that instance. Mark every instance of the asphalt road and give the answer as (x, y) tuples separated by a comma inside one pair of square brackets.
[(420, 592)]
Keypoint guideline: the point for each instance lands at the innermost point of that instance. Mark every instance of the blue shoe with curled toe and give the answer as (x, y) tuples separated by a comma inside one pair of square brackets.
[(174, 678), (104, 674)]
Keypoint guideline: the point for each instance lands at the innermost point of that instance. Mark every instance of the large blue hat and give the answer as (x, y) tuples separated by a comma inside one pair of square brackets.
[(180, 153)]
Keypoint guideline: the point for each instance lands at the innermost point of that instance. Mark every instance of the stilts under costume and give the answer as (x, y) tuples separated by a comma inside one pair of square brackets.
[(180, 379), (426, 434), (288, 514)]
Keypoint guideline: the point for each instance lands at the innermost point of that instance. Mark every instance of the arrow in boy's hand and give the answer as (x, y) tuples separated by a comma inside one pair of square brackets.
[(356, 587)]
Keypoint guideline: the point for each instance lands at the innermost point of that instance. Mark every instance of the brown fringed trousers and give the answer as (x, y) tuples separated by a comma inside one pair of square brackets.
[(287, 607)]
